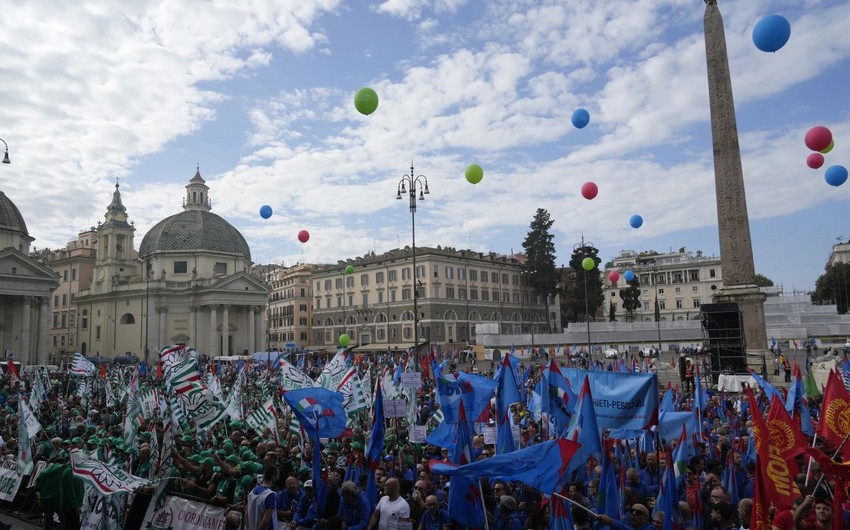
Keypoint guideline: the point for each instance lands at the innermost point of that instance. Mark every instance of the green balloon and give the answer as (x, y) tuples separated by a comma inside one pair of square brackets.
[(829, 147), (344, 339), (349, 269), (588, 264), (474, 173), (366, 101)]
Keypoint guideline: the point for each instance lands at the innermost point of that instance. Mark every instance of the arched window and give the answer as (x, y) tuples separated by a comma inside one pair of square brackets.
[(381, 318), (407, 315), (127, 318)]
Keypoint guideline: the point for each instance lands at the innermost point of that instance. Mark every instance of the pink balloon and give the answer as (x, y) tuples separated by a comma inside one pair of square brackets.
[(303, 236), (613, 276), (814, 160), (818, 138), (589, 190)]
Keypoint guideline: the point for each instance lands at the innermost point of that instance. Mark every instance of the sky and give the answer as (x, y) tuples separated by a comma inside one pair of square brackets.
[(259, 94)]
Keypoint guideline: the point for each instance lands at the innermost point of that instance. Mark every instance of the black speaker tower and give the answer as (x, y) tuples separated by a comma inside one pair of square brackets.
[(723, 329)]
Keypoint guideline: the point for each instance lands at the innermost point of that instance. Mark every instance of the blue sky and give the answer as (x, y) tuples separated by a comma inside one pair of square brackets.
[(260, 95)]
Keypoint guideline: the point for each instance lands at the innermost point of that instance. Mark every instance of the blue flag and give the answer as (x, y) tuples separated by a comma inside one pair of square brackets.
[(541, 466), (622, 401), (668, 498), (765, 385), (375, 446), (465, 502), (312, 404), (608, 500), (559, 398), (474, 390)]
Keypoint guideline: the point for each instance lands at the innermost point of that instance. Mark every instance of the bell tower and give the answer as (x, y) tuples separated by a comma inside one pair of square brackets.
[(115, 257), (197, 194)]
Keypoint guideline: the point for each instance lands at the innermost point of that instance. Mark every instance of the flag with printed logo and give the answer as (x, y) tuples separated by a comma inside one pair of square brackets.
[(81, 366), (106, 479)]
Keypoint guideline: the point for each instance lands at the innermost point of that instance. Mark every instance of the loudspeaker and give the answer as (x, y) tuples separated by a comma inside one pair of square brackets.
[(722, 324)]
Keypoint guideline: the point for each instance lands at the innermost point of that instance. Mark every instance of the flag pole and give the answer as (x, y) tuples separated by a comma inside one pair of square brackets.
[(837, 452), (483, 506), (809, 466), (574, 503)]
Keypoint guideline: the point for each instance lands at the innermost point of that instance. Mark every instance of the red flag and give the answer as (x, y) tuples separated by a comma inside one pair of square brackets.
[(103, 371), (841, 473), (774, 483), (12, 371), (159, 370), (784, 436), (834, 422)]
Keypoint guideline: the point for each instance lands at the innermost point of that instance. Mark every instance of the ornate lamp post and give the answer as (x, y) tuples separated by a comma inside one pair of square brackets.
[(6, 155), (409, 184)]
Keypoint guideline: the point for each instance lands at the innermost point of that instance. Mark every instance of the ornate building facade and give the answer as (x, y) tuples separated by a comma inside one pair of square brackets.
[(190, 285), (26, 288)]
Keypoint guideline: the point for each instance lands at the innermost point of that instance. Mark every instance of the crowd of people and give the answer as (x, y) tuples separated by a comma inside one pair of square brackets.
[(264, 479)]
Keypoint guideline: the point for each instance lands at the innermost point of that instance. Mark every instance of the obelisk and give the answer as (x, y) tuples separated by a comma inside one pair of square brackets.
[(736, 250)]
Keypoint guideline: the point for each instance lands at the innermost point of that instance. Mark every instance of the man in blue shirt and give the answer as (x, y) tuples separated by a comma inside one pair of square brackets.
[(354, 508), (434, 518), (261, 503), (288, 499)]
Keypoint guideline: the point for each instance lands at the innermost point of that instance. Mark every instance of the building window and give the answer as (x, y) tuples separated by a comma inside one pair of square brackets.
[(461, 293), (394, 333), (694, 288), (365, 299), (380, 297), (450, 292), (461, 274), (504, 279), (351, 299), (65, 278), (349, 282), (181, 267), (473, 294), (381, 334), (495, 296), (405, 274), (364, 279), (302, 321), (55, 320), (63, 320), (485, 295), (678, 290), (408, 333), (494, 277), (73, 274), (379, 277), (437, 291), (392, 276), (662, 305), (338, 283), (127, 318), (56, 301), (693, 276), (64, 300), (318, 286), (473, 275), (97, 332), (484, 276), (450, 273), (680, 304), (696, 302), (339, 301), (327, 285), (660, 291), (84, 323), (516, 279), (220, 268), (318, 302), (711, 273), (393, 295), (405, 293), (420, 271)]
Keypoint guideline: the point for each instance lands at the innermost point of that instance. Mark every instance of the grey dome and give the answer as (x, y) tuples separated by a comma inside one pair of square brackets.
[(10, 217), (194, 230)]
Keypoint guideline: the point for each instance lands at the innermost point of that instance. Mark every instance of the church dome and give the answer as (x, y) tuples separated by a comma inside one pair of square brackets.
[(11, 219), (191, 231)]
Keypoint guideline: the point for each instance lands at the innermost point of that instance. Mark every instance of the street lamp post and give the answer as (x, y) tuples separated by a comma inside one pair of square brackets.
[(408, 184), (6, 155), (147, 306), (585, 244), (656, 310)]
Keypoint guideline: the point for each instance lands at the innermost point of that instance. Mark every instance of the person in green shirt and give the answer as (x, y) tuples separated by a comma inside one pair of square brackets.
[(71, 494), (47, 488)]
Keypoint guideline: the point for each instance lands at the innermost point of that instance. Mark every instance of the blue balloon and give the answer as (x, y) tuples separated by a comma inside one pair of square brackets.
[(265, 211), (771, 33), (580, 118), (836, 175), (629, 276), (636, 221)]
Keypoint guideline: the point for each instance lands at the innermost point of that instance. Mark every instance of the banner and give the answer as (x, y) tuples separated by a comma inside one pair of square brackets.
[(292, 378), (177, 513), (620, 400), (106, 479), (10, 480), (334, 372), (101, 513)]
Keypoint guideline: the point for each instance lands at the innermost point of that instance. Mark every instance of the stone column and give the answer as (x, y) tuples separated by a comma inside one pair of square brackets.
[(736, 250), (252, 315), (25, 355), (225, 330), (260, 328), (213, 349), (163, 326), (193, 339), (43, 329)]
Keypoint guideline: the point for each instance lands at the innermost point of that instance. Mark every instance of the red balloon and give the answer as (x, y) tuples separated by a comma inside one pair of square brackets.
[(814, 160), (303, 236), (613, 276), (589, 190), (818, 138)]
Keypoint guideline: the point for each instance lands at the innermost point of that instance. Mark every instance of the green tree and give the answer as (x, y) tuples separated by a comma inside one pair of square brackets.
[(833, 286), (593, 292), (630, 296), (763, 281), (612, 312), (540, 254)]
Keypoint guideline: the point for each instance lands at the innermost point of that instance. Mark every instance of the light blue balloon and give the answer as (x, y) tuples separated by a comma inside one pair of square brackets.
[(265, 211), (636, 221), (629, 276), (580, 118), (771, 33), (836, 175)]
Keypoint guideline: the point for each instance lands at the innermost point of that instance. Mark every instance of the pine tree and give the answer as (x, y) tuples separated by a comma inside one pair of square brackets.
[(631, 297), (540, 254), (834, 287), (594, 282)]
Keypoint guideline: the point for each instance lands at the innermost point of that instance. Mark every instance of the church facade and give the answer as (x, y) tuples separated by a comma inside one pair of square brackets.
[(26, 287), (190, 284)]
